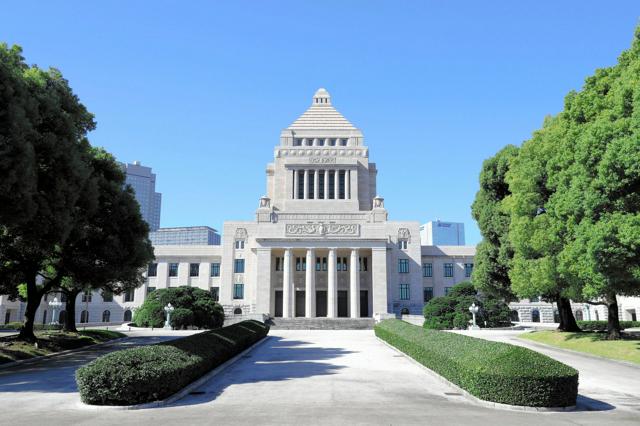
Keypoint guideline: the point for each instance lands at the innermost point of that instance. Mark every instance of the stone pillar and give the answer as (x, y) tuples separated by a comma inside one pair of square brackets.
[(332, 285), (336, 181), (316, 179), (295, 184), (310, 285), (163, 275), (354, 284), (287, 303), (263, 280), (326, 184), (306, 185), (347, 184), (379, 279)]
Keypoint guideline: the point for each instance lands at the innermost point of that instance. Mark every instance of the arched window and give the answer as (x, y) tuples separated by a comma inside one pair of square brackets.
[(127, 315), (404, 311), (84, 316), (514, 316), (237, 311), (535, 315), (62, 317), (44, 317), (579, 315), (106, 316)]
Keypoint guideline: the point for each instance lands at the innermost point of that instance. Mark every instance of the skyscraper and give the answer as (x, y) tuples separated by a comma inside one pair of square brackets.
[(143, 183)]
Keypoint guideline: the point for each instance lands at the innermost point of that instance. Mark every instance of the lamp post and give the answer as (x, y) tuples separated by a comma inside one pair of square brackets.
[(474, 310), (168, 309), (55, 305)]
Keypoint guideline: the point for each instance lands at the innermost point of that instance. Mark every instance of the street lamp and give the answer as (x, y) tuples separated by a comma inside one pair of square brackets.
[(168, 309), (474, 310), (55, 305)]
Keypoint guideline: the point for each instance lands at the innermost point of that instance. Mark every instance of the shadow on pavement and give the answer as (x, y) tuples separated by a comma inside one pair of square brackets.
[(585, 403)]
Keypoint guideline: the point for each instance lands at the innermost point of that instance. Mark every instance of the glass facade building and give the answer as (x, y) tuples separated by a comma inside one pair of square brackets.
[(143, 182), (190, 235)]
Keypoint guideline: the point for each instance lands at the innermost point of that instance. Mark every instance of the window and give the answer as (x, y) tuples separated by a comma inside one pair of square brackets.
[(150, 290), (332, 142), (238, 266), (428, 294), (341, 184), (301, 264), (311, 184), (447, 290), (342, 264), (107, 296), (448, 270), (324, 263), (238, 291), (239, 244), (278, 264), (86, 297), (84, 317), (106, 316), (332, 184), (321, 184), (173, 269), (127, 315), (364, 264), (404, 292), (237, 311), (535, 315), (468, 269), (320, 142), (194, 269), (297, 142), (152, 270), (343, 142), (129, 295), (215, 269), (300, 184), (215, 293), (403, 244), (427, 270), (318, 264), (44, 317), (403, 266)]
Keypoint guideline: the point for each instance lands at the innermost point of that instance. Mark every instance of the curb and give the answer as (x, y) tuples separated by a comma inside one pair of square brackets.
[(474, 399), (571, 351), (19, 362), (181, 393)]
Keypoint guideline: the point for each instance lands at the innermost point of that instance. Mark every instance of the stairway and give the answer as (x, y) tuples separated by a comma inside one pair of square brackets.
[(321, 323)]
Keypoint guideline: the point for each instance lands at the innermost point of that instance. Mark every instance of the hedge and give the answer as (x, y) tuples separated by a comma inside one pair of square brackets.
[(154, 372), (492, 371), (602, 325)]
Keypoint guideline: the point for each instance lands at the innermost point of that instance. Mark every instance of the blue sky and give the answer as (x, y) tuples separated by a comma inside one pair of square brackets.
[(200, 90)]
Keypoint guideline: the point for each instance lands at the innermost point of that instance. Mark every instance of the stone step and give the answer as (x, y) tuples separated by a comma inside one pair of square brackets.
[(321, 323)]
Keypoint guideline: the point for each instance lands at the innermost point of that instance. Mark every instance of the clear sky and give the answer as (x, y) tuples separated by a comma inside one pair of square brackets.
[(201, 90)]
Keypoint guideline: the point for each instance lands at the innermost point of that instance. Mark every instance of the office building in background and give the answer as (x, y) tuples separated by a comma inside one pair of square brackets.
[(143, 182), (438, 233)]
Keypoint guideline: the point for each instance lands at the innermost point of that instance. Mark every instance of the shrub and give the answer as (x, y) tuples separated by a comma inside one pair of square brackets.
[(602, 325), (181, 318), (492, 371), (207, 313), (150, 373), (36, 327)]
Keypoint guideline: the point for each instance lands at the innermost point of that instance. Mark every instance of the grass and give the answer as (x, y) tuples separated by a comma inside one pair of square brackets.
[(49, 342), (627, 349)]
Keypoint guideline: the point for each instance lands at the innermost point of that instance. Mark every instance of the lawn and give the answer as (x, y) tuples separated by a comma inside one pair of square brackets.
[(49, 342), (593, 343)]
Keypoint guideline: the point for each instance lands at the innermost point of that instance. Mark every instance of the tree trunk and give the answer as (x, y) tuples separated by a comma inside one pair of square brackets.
[(70, 308), (33, 301), (613, 321), (567, 320)]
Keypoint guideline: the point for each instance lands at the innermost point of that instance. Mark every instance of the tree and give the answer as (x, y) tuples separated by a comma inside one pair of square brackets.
[(46, 169), (494, 253), (452, 311), (109, 246)]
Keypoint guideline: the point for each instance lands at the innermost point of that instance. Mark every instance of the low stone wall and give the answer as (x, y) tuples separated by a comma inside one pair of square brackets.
[(413, 319)]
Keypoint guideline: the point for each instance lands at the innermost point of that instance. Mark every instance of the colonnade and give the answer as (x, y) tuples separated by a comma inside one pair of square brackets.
[(332, 181)]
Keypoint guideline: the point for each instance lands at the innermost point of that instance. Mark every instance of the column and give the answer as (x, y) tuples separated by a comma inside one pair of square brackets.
[(326, 184), (316, 178), (332, 286), (354, 284), (286, 285), (262, 284), (295, 184), (379, 280), (310, 285), (336, 189), (306, 184), (347, 184)]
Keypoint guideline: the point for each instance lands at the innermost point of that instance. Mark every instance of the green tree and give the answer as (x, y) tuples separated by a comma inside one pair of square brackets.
[(46, 169), (494, 253)]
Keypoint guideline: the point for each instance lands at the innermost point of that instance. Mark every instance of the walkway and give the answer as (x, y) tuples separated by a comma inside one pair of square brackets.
[(295, 377)]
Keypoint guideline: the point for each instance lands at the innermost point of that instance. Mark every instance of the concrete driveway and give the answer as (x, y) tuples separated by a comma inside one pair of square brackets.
[(298, 378)]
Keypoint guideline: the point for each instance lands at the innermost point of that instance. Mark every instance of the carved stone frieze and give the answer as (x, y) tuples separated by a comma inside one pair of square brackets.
[(322, 229)]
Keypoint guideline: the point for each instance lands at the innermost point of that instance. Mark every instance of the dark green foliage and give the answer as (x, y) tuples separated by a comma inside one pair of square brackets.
[(452, 311), (602, 325), (150, 373), (204, 311), (492, 371)]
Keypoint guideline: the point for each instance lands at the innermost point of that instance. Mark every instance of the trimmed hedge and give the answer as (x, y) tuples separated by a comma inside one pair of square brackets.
[(602, 325), (492, 371), (154, 372)]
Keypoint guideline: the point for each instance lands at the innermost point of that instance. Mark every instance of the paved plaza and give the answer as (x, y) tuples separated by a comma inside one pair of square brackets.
[(297, 377)]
